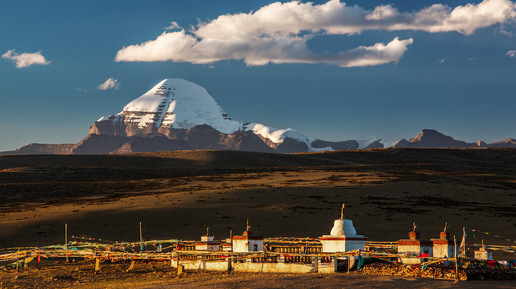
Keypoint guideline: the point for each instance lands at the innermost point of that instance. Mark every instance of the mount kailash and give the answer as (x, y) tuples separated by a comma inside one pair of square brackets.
[(179, 115)]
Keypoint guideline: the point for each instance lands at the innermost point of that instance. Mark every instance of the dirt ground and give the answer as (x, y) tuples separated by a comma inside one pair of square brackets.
[(179, 194), (160, 275)]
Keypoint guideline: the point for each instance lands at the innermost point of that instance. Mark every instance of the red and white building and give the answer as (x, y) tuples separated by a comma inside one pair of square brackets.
[(247, 242), (415, 249), (443, 247), (207, 244)]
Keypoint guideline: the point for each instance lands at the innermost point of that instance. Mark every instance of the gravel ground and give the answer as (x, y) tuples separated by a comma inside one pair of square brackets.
[(160, 275)]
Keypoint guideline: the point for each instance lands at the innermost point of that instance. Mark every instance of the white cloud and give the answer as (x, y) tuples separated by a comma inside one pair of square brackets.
[(463, 19), (511, 53), (443, 60), (25, 59), (373, 55), (503, 31), (382, 12), (278, 32), (110, 83), (173, 25), (181, 47)]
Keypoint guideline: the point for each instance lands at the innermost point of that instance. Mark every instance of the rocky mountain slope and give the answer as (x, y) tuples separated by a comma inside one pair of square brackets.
[(180, 115), (429, 138), (506, 143)]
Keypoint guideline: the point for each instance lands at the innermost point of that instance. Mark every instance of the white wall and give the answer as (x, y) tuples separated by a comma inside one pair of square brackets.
[(483, 255), (240, 246), (247, 245), (258, 267), (442, 250), (331, 246)]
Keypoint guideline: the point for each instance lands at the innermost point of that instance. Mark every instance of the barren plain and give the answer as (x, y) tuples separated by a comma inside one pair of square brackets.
[(178, 194)]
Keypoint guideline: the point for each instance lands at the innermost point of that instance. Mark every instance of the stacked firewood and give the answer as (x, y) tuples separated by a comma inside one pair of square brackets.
[(392, 269), (437, 271)]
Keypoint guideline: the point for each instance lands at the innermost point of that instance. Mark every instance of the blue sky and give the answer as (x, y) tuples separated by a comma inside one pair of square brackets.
[(321, 75)]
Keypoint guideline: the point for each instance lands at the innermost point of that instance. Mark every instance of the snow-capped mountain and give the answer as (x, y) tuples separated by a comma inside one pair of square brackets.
[(171, 104), (178, 115), (184, 111)]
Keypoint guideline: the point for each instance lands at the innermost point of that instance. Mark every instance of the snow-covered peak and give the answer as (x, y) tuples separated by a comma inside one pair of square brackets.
[(149, 101), (387, 143), (178, 103), (277, 135)]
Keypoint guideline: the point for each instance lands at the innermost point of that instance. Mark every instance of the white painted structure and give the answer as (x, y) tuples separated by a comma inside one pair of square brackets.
[(207, 238), (247, 243), (343, 237), (483, 254), (443, 247), (415, 249)]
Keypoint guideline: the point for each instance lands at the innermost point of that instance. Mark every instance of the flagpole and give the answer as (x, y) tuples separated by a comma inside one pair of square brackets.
[(141, 238), (66, 241), (463, 243)]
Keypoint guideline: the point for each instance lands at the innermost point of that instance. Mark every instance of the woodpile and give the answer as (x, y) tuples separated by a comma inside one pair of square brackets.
[(435, 272)]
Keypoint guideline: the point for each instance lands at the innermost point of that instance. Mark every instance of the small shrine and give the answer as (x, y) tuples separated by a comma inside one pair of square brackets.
[(343, 237), (207, 243), (415, 248), (483, 254), (247, 242), (443, 247), (227, 246)]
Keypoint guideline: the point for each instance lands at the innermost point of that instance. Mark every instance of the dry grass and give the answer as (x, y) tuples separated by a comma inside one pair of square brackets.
[(178, 194)]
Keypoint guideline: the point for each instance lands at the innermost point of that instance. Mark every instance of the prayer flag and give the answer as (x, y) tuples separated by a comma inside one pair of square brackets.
[(463, 243)]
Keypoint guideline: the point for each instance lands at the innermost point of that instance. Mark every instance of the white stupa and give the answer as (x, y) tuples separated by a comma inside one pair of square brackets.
[(343, 237)]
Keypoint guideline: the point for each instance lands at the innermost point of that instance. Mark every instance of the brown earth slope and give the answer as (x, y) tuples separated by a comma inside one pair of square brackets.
[(178, 194)]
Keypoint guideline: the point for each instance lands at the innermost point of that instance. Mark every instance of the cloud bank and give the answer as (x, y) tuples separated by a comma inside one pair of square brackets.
[(25, 59), (278, 33), (110, 83), (511, 53)]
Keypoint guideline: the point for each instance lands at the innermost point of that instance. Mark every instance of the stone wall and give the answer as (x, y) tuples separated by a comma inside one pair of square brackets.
[(246, 265)]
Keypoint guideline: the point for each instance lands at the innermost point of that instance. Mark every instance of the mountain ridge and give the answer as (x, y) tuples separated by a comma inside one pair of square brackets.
[(180, 115), (181, 110)]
